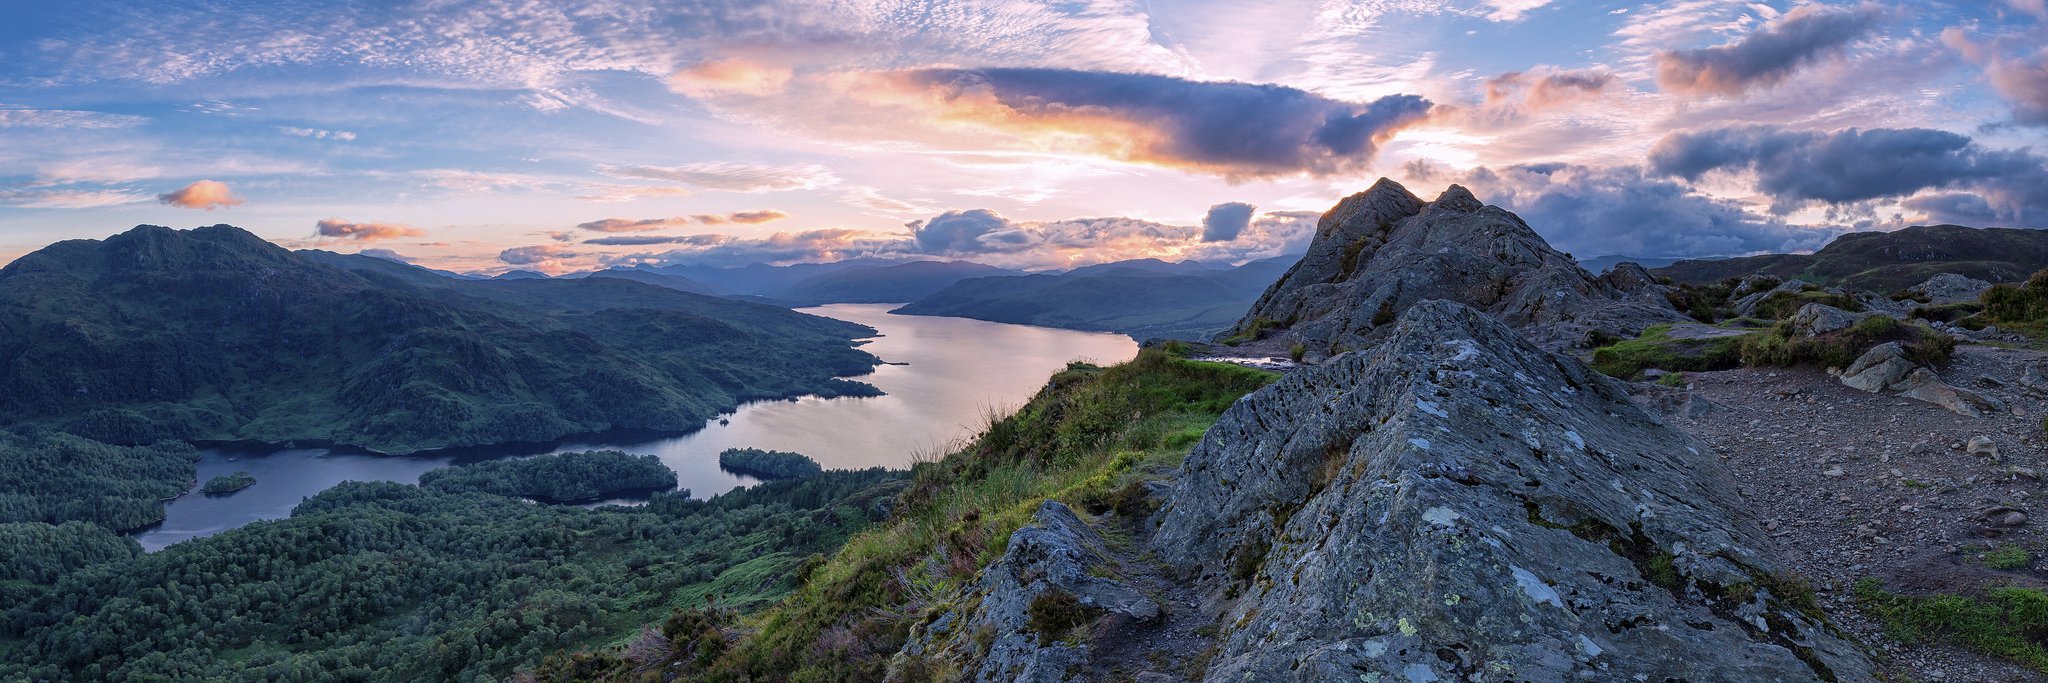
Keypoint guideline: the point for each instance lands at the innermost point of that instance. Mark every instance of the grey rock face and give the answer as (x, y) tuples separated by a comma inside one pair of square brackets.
[(1886, 369), (1056, 554), (1818, 319), (1746, 305), (1383, 250), (1457, 504), (1949, 288)]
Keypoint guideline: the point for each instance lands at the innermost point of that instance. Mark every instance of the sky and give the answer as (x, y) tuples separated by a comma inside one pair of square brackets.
[(487, 135)]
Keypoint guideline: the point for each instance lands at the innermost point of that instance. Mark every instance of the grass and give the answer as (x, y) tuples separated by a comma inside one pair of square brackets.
[(1783, 304), (1781, 347), (1085, 440), (2021, 308), (2006, 557), (1656, 349), (2010, 623), (1252, 332)]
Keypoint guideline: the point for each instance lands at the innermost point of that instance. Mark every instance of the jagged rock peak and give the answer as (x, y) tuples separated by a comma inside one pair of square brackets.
[(1456, 503), (1380, 251), (1457, 198)]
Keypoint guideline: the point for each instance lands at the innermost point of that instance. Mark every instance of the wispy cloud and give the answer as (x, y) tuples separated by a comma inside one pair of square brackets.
[(730, 176), (365, 232), (14, 116)]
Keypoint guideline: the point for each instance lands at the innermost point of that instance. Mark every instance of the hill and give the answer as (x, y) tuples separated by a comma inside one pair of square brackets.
[(1888, 261), (215, 334), (1144, 299), (883, 284)]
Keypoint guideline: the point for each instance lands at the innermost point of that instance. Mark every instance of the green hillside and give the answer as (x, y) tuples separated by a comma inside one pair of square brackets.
[(216, 334), (1889, 261)]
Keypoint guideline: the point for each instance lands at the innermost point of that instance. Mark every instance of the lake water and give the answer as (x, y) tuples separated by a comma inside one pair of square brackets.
[(955, 373)]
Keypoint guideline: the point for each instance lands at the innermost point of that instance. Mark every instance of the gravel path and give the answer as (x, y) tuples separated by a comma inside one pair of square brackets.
[(1852, 484)]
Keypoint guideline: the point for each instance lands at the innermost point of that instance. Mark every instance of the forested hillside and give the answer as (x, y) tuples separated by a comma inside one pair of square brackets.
[(393, 582), (214, 333)]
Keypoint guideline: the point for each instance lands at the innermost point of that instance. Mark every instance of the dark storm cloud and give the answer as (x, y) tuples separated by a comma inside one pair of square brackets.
[(1238, 130), (966, 232), (1225, 221), (1795, 167), (1767, 56)]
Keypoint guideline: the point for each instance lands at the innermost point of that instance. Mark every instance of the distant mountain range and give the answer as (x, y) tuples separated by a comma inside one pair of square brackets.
[(1889, 261), (216, 334), (1145, 298)]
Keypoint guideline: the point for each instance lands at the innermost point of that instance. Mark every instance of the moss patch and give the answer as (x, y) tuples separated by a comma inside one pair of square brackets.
[(1656, 349), (2011, 623)]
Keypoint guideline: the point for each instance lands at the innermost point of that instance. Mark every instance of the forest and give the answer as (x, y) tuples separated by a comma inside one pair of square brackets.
[(563, 478), (396, 582), (755, 462), (55, 477)]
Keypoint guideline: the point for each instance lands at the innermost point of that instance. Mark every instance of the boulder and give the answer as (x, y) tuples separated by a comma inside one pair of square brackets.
[(2033, 380), (1746, 305), (1058, 556), (1981, 445), (1456, 503), (1383, 250), (1886, 369), (1950, 288), (1814, 320)]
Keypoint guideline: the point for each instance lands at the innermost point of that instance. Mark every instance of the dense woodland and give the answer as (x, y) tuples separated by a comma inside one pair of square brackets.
[(755, 462), (55, 477), (568, 477), (394, 582)]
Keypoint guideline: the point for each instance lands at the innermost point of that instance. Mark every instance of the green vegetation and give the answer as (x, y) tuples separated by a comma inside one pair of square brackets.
[(54, 477), (1656, 349), (2003, 622), (1782, 305), (2021, 307), (393, 582), (1708, 303), (769, 464), (1298, 352), (1055, 615), (2006, 557), (1253, 331), (1779, 346), (216, 334), (560, 478), (1086, 439), (228, 483)]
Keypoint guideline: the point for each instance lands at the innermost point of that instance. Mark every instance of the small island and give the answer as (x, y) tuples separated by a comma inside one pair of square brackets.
[(228, 483), (558, 478), (755, 462)]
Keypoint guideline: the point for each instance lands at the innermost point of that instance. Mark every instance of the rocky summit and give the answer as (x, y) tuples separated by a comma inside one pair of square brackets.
[(1459, 504), (1383, 250)]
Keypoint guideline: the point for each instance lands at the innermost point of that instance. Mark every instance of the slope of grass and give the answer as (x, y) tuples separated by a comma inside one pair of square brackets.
[(1656, 349), (2002, 622), (1086, 439)]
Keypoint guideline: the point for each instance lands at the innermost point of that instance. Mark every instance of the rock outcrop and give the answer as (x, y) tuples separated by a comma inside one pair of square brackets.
[(1950, 288), (1813, 320), (1458, 504), (1383, 250), (1055, 569), (1886, 369)]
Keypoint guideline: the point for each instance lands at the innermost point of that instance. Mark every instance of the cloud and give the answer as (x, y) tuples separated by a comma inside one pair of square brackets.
[(1225, 221), (829, 244), (2035, 8), (959, 233), (1546, 88), (2021, 80), (540, 254), (631, 225), (204, 194), (367, 232), (729, 76), (1236, 130), (729, 176), (1797, 167), (28, 117), (317, 133), (1768, 55), (386, 254), (1595, 211), (649, 224), (1511, 10), (68, 198)]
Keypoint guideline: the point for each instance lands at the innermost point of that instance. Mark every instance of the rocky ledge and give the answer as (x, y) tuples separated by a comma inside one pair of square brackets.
[(1459, 504)]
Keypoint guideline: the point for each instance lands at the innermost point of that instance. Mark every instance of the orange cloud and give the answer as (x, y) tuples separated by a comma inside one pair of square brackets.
[(1547, 88), (744, 217), (336, 227), (205, 194), (729, 77), (630, 225)]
